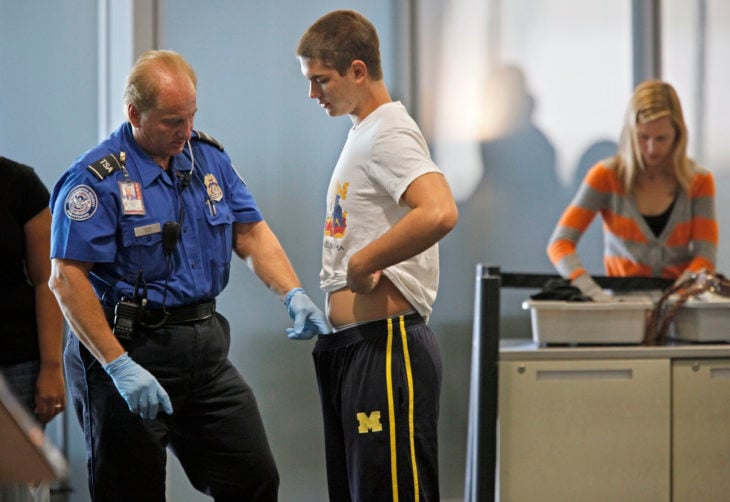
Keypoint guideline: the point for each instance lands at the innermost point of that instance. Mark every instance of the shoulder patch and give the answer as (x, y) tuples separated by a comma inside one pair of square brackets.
[(81, 203), (207, 138), (105, 166)]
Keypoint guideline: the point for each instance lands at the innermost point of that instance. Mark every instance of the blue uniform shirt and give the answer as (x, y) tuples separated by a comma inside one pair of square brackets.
[(92, 223)]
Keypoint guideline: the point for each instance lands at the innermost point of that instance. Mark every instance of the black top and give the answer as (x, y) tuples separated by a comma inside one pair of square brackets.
[(658, 222), (22, 196)]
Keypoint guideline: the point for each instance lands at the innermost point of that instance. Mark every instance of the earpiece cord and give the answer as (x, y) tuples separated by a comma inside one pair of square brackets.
[(185, 182), (110, 287)]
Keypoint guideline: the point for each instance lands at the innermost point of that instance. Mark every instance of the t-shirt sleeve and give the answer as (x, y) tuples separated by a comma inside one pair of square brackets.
[(84, 223), (242, 200), (399, 157), (31, 195)]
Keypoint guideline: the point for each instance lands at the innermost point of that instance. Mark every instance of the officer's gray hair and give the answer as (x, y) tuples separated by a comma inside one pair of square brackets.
[(143, 80)]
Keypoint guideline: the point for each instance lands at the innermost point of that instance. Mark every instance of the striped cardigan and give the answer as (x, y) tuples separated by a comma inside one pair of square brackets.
[(688, 241)]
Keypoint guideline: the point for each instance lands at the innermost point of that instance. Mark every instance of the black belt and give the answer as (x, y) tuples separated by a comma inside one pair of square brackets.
[(173, 315)]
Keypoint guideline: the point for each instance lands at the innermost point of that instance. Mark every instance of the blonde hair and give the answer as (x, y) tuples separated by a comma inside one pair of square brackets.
[(652, 100), (143, 81)]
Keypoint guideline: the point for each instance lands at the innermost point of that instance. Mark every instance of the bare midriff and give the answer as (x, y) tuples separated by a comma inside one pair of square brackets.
[(345, 307)]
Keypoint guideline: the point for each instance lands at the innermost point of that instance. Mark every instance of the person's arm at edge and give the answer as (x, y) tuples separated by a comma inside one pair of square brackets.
[(433, 214), (705, 228), (76, 297), (70, 284), (562, 247), (50, 388)]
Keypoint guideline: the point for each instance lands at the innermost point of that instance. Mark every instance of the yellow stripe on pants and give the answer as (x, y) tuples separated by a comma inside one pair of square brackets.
[(391, 408)]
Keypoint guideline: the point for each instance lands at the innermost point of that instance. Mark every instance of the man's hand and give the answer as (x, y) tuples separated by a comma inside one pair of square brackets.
[(139, 388), (308, 319), (362, 284)]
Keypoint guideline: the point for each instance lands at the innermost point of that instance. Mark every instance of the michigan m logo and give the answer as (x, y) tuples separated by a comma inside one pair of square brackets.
[(369, 423)]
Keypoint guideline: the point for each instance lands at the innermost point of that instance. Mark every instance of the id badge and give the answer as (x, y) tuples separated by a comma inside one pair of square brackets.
[(131, 193)]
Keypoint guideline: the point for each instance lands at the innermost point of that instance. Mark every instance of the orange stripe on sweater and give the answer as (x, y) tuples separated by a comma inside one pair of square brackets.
[(617, 266), (623, 227), (700, 263), (698, 229), (598, 179), (703, 186), (706, 230), (673, 272), (681, 234), (576, 217), (560, 249)]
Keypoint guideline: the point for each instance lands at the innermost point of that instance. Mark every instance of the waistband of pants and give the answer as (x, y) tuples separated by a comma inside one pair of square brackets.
[(192, 312), (353, 333)]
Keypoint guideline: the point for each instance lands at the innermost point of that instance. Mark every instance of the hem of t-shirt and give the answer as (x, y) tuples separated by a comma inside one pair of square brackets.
[(403, 186), (335, 284)]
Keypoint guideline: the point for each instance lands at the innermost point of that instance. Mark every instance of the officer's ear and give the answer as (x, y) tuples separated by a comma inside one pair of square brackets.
[(134, 115)]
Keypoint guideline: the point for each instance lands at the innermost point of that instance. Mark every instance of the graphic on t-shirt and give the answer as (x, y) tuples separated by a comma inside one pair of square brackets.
[(336, 223)]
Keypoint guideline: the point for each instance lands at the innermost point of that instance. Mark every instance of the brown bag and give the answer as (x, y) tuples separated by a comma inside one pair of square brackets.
[(663, 313)]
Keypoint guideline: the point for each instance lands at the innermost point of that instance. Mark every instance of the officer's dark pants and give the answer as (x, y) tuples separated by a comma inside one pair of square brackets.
[(215, 430)]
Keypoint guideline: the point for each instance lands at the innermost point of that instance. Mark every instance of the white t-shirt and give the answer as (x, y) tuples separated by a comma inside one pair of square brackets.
[(382, 156)]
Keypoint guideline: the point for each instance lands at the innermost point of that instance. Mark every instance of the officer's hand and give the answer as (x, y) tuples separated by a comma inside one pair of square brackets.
[(142, 392), (308, 319)]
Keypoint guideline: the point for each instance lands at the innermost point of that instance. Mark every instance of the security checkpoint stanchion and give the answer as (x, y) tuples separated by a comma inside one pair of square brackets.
[(481, 458), (482, 439)]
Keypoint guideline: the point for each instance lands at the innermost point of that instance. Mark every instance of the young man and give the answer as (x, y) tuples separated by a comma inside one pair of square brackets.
[(144, 226), (388, 205)]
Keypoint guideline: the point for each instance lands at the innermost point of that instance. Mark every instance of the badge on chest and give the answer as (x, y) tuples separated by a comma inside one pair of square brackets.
[(131, 194)]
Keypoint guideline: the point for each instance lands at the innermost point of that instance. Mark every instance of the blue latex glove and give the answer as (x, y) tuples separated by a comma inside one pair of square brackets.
[(142, 392), (308, 319)]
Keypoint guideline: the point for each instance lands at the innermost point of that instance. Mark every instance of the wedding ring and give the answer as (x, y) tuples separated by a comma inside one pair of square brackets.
[(58, 406)]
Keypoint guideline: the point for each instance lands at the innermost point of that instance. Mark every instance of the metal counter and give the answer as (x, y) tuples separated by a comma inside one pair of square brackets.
[(527, 350)]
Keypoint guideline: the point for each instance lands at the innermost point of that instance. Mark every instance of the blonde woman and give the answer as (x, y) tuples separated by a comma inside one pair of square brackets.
[(657, 205)]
